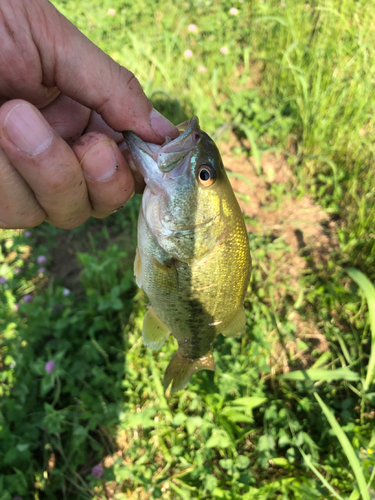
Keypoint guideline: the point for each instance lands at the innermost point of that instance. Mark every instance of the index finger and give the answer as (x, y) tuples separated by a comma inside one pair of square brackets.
[(85, 73)]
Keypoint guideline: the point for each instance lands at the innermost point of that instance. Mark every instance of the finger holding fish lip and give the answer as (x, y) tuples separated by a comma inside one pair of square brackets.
[(109, 180), (42, 178)]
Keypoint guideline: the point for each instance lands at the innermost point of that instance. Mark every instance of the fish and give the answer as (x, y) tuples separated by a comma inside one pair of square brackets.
[(193, 257)]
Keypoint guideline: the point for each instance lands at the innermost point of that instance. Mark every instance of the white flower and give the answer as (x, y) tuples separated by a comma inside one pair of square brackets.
[(111, 12), (192, 28), (202, 69), (188, 53), (224, 50), (66, 292), (233, 11)]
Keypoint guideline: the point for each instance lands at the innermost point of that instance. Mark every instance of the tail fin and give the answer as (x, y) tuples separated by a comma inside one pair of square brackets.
[(181, 369)]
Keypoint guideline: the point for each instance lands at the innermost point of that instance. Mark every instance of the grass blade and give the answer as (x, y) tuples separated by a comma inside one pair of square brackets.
[(369, 291), (347, 447), (323, 480), (316, 374)]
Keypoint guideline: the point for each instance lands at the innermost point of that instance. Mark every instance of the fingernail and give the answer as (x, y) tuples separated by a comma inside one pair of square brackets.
[(27, 130), (100, 162), (162, 126)]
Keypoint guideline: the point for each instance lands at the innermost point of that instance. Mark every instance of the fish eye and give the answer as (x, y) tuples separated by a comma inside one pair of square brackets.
[(206, 175)]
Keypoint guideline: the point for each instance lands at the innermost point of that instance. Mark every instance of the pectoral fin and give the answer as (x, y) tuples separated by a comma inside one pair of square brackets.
[(180, 370), (237, 325), (138, 268), (154, 331)]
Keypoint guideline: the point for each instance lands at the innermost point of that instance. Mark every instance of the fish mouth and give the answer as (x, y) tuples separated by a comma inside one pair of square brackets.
[(152, 160)]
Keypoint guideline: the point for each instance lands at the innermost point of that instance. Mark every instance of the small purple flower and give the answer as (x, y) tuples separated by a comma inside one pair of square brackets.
[(41, 270), (50, 366), (27, 298), (15, 307), (18, 270), (27, 234), (42, 259), (97, 471), (3, 280)]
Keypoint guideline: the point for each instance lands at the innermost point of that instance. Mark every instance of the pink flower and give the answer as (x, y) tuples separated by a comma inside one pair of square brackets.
[(202, 69), (42, 259), (50, 366), (18, 270), (27, 298), (15, 307), (111, 12), (192, 28), (283, 4), (188, 53), (233, 11), (224, 50), (97, 471)]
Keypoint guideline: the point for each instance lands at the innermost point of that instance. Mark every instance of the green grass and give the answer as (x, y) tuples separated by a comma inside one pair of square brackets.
[(303, 71)]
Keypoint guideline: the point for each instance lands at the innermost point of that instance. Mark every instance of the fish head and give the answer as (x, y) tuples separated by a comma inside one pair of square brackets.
[(186, 188)]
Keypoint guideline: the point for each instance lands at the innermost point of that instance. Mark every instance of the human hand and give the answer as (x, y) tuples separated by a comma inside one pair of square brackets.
[(56, 87)]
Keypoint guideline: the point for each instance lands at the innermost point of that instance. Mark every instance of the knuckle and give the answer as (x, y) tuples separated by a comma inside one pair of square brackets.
[(131, 82), (88, 140)]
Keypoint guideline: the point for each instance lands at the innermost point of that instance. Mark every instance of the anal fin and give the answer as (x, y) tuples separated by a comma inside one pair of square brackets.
[(237, 325), (181, 369), (154, 331)]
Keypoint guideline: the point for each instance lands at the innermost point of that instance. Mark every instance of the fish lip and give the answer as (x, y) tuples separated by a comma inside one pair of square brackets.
[(161, 160)]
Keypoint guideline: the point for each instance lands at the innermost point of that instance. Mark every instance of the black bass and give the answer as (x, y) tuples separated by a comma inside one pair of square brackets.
[(193, 258)]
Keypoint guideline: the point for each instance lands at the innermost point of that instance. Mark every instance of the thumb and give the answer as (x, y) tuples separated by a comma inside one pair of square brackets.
[(79, 69)]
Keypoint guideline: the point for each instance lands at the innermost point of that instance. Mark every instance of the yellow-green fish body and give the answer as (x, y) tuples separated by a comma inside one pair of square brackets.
[(193, 258)]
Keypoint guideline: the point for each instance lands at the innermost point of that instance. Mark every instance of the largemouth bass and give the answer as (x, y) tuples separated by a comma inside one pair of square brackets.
[(193, 259)]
